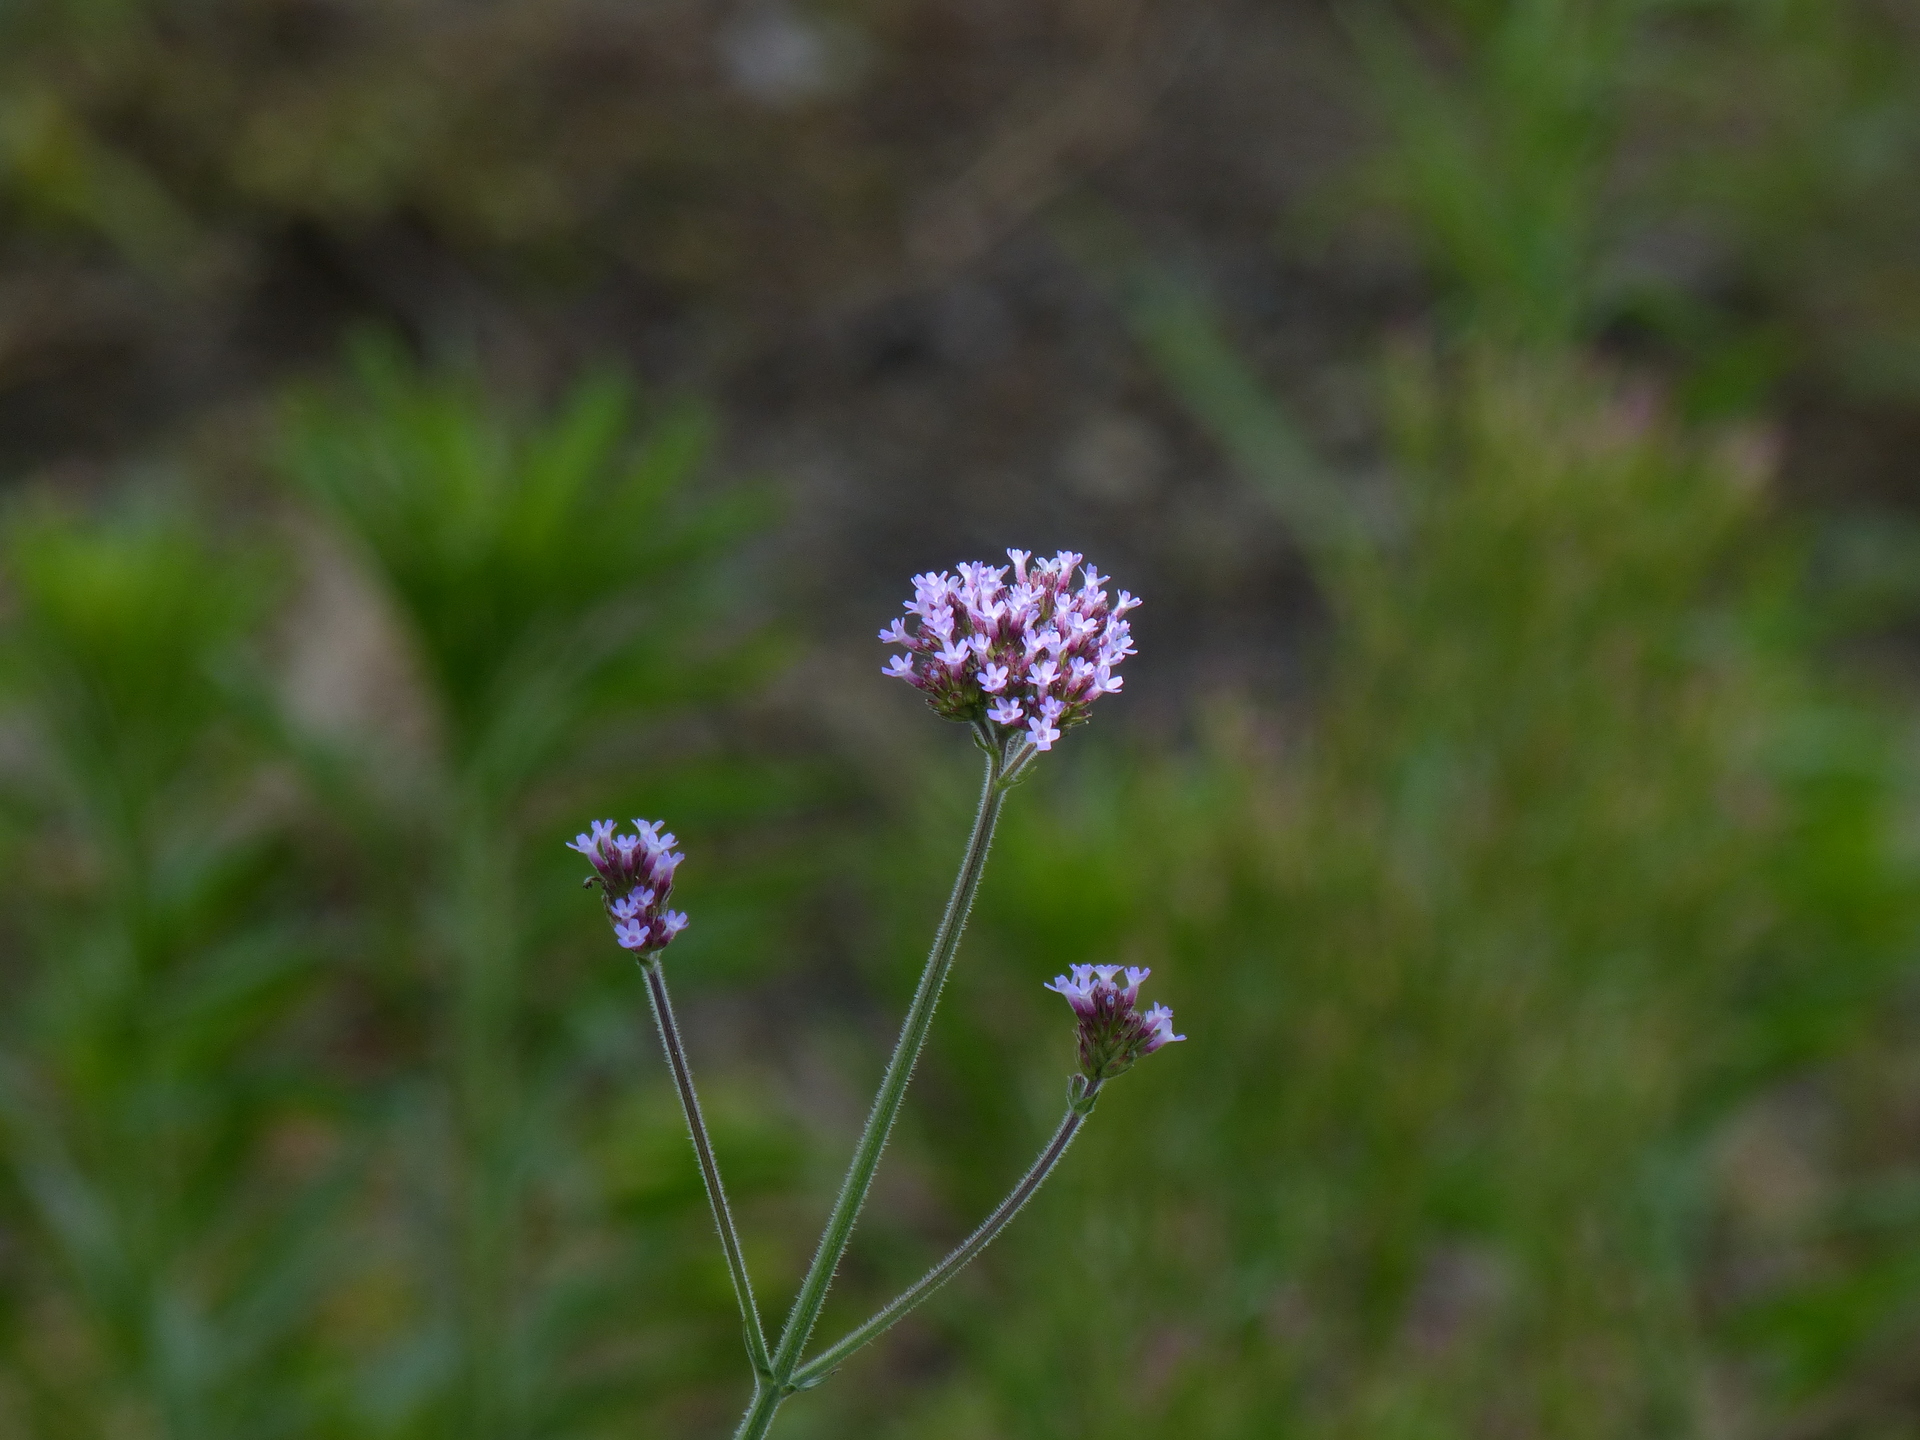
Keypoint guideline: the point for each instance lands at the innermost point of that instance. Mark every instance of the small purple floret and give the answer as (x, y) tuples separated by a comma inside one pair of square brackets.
[(1159, 1022)]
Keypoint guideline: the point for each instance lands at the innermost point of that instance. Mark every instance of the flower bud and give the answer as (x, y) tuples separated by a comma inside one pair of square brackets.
[(1113, 1032), (635, 875)]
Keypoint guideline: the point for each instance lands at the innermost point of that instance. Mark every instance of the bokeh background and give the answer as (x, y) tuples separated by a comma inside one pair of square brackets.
[(428, 424)]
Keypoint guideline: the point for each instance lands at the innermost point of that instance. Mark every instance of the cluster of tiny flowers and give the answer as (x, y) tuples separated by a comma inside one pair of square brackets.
[(1113, 1033), (1033, 654), (635, 875)]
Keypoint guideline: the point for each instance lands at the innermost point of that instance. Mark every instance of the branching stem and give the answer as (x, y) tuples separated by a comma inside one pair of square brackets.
[(824, 1364), (775, 1387)]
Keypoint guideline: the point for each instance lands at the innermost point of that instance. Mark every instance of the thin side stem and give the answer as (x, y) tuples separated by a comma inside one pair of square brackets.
[(709, 1167), (886, 1108), (1023, 755), (824, 1364)]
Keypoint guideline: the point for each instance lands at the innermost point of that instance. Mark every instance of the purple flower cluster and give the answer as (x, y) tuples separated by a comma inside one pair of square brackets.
[(635, 875), (1033, 654), (1113, 1033)]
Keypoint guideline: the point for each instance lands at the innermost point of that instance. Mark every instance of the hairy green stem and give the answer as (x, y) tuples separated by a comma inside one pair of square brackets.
[(709, 1167), (776, 1387), (820, 1367)]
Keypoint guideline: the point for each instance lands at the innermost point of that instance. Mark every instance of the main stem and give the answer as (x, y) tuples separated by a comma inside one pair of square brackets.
[(775, 1388), (825, 1363), (709, 1167)]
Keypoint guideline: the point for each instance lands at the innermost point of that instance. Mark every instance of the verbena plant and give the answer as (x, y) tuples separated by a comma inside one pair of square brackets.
[(1019, 662)]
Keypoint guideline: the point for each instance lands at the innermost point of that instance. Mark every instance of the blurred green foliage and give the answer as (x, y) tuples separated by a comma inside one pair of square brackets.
[(171, 1257), (300, 1144), (1550, 977), (540, 568), (1508, 978)]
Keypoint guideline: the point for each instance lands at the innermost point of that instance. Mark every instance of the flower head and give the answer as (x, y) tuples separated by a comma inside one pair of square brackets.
[(635, 875), (1030, 653), (1113, 1032)]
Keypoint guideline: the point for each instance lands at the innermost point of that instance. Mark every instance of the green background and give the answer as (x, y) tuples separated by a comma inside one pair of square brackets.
[(429, 426)]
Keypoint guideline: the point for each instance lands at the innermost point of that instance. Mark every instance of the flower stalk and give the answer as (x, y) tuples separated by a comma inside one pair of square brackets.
[(886, 1105), (756, 1339)]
